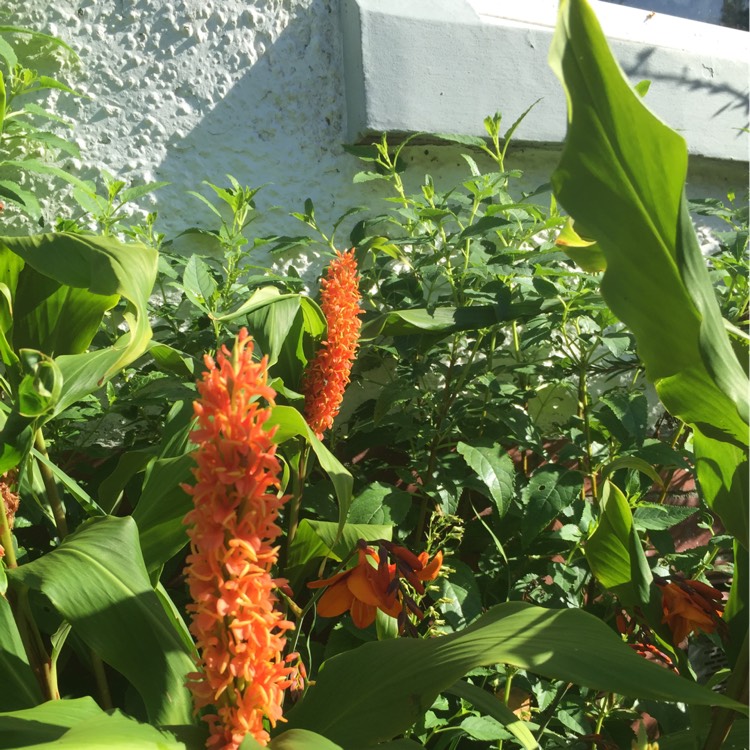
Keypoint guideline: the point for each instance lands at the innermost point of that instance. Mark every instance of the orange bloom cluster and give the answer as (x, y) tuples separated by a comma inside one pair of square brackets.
[(328, 374), (690, 605), (373, 583), (232, 527)]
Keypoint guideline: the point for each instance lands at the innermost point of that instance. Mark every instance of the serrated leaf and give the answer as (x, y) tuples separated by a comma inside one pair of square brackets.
[(495, 468)]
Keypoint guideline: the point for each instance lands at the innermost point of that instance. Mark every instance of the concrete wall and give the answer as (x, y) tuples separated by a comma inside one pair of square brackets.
[(186, 91)]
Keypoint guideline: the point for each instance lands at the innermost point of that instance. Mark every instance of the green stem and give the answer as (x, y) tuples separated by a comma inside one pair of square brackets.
[(6, 538), (33, 644), (583, 407), (50, 486), (298, 485), (737, 688), (105, 697), (509, 672)]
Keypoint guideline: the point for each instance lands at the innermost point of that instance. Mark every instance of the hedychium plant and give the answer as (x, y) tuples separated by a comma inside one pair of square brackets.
[(388, 598)]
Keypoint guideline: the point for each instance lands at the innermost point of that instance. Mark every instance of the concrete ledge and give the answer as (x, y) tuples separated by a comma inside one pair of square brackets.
[(441, 66)]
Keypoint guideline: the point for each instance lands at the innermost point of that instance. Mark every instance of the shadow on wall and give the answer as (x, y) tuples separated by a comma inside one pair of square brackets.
[(280, 124)]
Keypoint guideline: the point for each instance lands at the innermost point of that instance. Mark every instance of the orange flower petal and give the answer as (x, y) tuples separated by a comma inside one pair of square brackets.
[(363, 615), (335, 601), (328, 581), (431, 569), (361, 585)]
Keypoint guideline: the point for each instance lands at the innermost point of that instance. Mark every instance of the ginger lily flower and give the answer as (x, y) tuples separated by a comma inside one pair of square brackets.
[(239, 632), (690, 605), (327, 375)]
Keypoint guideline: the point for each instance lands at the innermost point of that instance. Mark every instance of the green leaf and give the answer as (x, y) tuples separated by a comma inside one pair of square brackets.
[(98, 582), (18, 688), (377, 691), (161, 509), (380, 503), (632, 462), (41, 385), (653, 517), (292, 424), (611, 550), (7, 53), (461, 599), (104, 269), (301, 739), (495, 468), (549, 490), (490, 705), (89, 505), (622, 177), (78, 724), (44, 723), (198, 283), (443, 320), (322, 539)]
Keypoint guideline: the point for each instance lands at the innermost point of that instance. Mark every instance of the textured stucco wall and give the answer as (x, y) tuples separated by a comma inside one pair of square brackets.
[(186, 91)]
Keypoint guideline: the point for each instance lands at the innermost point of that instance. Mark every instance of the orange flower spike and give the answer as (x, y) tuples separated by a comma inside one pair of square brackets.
[(327, 375), (232, 529)]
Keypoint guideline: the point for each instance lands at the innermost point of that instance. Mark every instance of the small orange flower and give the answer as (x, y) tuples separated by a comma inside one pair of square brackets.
[(367, 587), (232, 529), (690, 605), (327, 375), (361, 590)]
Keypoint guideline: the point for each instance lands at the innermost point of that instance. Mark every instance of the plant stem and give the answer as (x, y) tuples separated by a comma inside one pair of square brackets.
[(298, 484), (50, 486), (583, 411), (105, 697), (6, 538), (737, 688), (33, 644)]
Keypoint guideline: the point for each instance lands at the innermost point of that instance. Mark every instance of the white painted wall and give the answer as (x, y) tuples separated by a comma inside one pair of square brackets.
[(186, 91)]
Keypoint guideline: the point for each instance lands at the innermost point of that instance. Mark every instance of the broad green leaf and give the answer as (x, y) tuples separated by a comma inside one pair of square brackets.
[(301, 739), (611, 550), (259, 298), (585, 253), (7, 52), (377, 691), (128, 465), (495, 468), (169, 359), (78, 724), (490, 705), (162, 508), (89, 505), (44, 723), (97, 580), (103, 268), (292, 424), (18, 687), (460, 597), (322, 539), (549, 490), (622, 177)]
